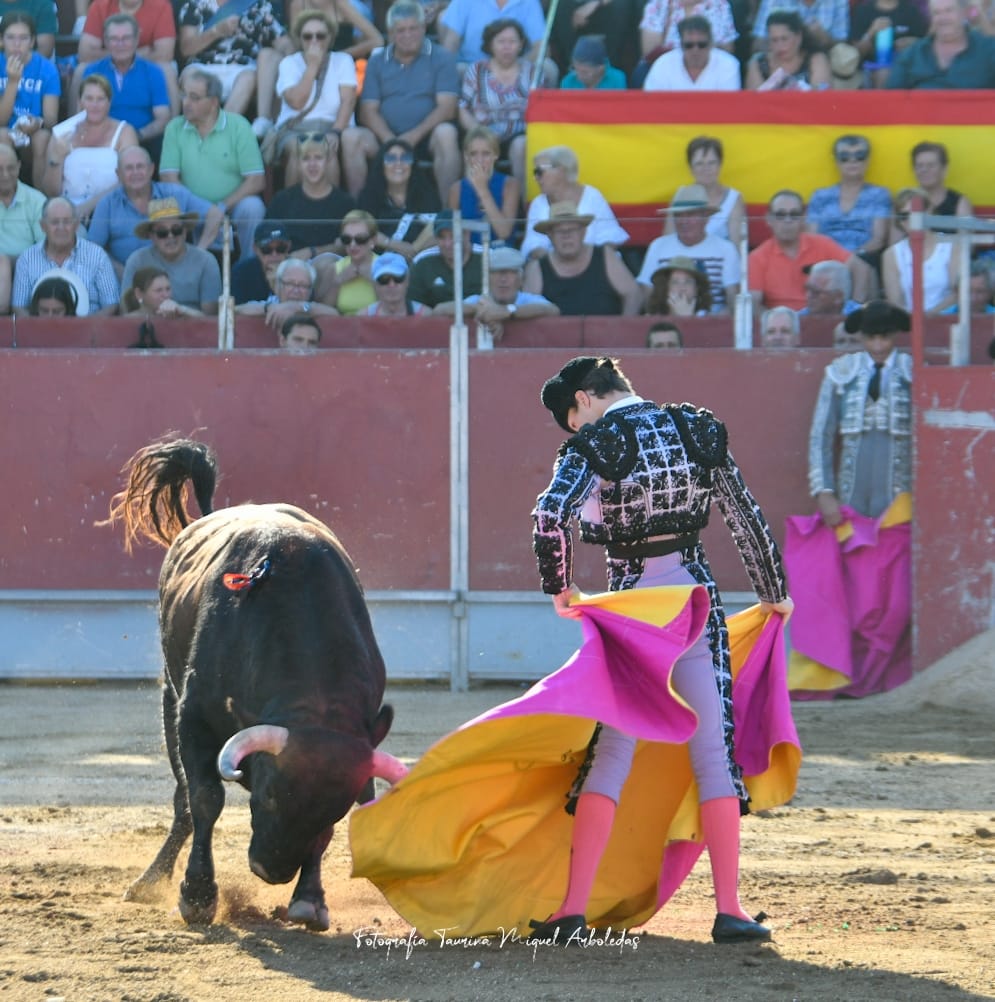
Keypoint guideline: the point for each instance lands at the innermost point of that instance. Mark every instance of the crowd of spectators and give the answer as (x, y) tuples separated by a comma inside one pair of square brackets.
[(339, 139)]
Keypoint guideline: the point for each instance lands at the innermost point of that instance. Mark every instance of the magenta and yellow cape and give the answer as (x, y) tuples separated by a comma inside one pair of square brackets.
[(475, 839)]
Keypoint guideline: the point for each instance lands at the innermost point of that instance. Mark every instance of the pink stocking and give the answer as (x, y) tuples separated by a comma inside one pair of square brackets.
[(592, 829), (720, 823)]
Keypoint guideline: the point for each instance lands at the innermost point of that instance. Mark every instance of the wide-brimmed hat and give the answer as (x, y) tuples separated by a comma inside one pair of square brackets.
[(690, 198), (662, 274), (161, 209), (844, 62), (559, 392), (877, 317), (562, 212)]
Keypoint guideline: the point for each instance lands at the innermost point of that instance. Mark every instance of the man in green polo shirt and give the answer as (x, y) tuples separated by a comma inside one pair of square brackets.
[(20, 219), (215, 155)]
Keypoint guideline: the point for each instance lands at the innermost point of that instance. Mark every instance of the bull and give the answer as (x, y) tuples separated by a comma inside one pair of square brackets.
[(273, 678)]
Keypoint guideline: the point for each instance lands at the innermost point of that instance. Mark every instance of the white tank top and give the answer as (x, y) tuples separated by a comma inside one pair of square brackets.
[(89, 170)]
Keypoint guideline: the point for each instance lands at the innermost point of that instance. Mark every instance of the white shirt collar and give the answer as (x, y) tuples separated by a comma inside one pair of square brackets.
[(632, 398)]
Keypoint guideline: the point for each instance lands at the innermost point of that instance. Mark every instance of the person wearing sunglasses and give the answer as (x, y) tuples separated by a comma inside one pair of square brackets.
[(317, 88), (779, 266), (696, 64), (853, 213), (402, 200), (347, 283), (254, 278), (391, 283), (193, 272), (313, 209)]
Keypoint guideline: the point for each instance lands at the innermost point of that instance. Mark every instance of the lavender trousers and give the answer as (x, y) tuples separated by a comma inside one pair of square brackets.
[(694, 680)]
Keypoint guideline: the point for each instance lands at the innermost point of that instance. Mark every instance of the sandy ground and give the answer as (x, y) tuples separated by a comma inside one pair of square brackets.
[(879, 878)]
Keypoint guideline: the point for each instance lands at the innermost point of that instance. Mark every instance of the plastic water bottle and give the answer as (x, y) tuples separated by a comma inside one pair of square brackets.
[(884, 42)]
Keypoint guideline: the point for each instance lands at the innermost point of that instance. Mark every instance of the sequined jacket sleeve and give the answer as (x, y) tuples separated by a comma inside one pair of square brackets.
[(750, 531), (573, 480), (822, 437)]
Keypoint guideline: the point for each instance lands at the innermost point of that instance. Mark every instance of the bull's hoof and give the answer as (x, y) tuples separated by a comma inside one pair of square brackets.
[(198, 912), (313, 916)]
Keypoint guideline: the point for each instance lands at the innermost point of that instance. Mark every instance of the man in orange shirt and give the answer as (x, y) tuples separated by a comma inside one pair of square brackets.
[(777, 268)]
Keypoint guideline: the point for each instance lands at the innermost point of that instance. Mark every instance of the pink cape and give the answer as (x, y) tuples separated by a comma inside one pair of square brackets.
[(851, 629), (475, 839)]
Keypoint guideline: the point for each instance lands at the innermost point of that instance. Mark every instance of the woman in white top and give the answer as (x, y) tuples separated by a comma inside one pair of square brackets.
[(704, 156), (317, 88), (940, 272), (555, 170), (82, 165)]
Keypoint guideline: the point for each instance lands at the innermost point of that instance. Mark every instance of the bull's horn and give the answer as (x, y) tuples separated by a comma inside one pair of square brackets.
[(261, 737), (387, 767)]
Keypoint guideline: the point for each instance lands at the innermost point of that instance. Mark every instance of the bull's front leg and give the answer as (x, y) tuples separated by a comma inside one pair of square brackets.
[(307, 905), (199, 892)]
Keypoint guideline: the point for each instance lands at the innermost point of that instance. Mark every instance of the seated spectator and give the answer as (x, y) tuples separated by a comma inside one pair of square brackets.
[(929, 163), (20, 207), (680, 288), (580, 279), (824, 24), (780, 328), (241, 51), (696, 64), (495, 91), (853, 213), (29, 93), (617, 21), (44, 24), (82, 164), (317, 88), (951, 57), (193, 272), (464, 22), (505, 300), (215, 155), (121, 209), (391, 283), (719, 258), (827, 290), (63, 250), (53, 297), (357, 36), (432, 273), (253, 279), (300, 332), (981, 288), (880, 29), (484, 193), (778, 266), (151, 295), (294, 287), (312, 211), (791, 61), (556, 170), (140, 95), (401, 199), (664, 334), (410, 91), (347, 284), (156, 42), (940, 271), (704, 157), (590, 69), (658, 29)]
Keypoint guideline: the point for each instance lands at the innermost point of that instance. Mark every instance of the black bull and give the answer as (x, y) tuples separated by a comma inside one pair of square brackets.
[(272, 677)]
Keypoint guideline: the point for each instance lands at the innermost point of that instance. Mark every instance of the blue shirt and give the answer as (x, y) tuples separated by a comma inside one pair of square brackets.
[(854, 228), (468, 18), (115, 217), (973, 69), (137, 92), (614, 79), (832, 15), (40, 79)]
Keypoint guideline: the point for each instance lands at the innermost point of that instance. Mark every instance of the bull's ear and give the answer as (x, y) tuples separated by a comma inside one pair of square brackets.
[(242, 717), (382, 724)]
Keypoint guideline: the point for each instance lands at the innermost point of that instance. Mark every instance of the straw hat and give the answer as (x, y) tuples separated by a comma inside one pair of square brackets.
[(690, 198), (844, 62), (661, 277), (562, 212), (161, 209)]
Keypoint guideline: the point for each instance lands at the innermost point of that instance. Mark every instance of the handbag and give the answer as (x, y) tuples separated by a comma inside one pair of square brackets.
[(273, 142)]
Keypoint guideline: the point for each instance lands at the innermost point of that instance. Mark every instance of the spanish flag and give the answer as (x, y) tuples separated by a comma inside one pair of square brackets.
[(631, 144), (475, 839)]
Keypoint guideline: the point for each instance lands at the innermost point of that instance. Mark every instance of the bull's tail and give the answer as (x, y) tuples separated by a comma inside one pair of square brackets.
[(153, 504)]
